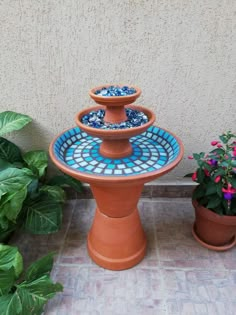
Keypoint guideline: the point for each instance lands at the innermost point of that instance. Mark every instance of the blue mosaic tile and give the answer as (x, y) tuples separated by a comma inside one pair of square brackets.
[(152, 150)]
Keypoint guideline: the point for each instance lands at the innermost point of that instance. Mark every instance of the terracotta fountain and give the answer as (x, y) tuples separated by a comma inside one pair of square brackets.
[(116, 163)]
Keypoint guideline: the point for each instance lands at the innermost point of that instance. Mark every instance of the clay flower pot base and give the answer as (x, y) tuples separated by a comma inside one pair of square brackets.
[(222, 248), (116, 243)]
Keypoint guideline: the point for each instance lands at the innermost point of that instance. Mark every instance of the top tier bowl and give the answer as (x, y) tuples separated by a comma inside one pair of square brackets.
[(114, 100), (115, 112)]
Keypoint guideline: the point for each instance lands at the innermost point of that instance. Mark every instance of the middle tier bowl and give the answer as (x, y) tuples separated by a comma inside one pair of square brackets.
[(115, 143)]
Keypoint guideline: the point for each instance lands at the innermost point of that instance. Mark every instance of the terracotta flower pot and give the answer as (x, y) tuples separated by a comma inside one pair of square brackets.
[(212, 230)]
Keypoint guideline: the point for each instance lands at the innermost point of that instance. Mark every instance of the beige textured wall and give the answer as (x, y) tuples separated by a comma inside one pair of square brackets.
[(182, 53)]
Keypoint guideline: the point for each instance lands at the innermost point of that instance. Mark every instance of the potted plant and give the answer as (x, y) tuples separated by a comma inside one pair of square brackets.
[(27, 198), (214, 198)]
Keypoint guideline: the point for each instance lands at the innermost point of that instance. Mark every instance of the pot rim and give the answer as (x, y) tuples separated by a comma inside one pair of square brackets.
[(211, 215)]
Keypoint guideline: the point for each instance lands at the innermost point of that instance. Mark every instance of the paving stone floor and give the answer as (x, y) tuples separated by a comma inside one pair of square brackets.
[(177, 276)]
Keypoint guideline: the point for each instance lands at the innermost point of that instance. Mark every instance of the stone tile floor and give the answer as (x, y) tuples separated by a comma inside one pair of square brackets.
[(177, 276)]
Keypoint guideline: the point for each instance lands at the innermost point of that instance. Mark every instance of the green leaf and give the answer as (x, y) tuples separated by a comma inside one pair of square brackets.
[(213, 202), (5, 234), (4, 164), (188, 175), (223, 139), (13, 179), (32, 189), (43, 216), (9, 151), (66, 180), (11, 121), (10, 304), (10, 257), (233, 182), (218, 151), (200, 175), (35, 294), (7, 279), (54, 192), (196, 156), (13, 206), (233, 163), (37, 161), (198, 192), (211, 188), (39, 268)]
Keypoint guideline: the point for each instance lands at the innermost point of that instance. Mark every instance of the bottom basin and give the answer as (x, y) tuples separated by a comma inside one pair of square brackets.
[(152, 150)]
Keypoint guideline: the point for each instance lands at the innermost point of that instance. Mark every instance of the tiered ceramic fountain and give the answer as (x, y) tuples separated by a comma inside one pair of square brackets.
[(116, 163)]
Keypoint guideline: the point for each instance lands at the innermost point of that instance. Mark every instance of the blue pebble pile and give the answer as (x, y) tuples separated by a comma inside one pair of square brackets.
[(115, 91), (95, 119)]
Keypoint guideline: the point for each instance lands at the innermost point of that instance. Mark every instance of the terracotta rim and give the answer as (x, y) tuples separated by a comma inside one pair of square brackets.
[(115, 134), (222, 248), (114, 100), (103, 180), (222, 219)]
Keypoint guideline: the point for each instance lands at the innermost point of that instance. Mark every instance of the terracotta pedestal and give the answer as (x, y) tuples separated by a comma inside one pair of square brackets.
[(116, 164)]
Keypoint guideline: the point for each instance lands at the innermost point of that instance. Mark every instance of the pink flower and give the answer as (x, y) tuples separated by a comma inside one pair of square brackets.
[(194, 176), (234, 153), (207, 173), (219, 145), (214, 143), (190, 157), (234, 148), (217, 179)]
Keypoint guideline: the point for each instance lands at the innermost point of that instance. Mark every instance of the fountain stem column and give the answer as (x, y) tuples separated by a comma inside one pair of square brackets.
[(116, 240), (116, 148)]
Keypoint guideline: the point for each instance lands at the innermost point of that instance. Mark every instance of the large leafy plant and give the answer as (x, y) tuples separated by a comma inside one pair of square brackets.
[(24, 293), (27, 199), (216, 176)]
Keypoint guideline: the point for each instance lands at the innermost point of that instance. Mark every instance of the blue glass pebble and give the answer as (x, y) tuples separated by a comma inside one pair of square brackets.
[(115, 91), (95, 119)]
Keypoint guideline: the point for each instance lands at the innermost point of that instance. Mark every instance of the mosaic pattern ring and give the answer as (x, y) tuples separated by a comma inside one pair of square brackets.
[(152, 150)]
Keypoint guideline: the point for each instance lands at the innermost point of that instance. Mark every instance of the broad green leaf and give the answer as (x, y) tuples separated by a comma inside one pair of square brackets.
[(12, 208), (54, 192), (37, 161), (6, 233), (35, 294), (66, 180), (7, 279), (11, 121), (43, 216), (10, 257), (13, 179), (4, 164), (4, 222), (39, 268), (9, 151), (10, 304)]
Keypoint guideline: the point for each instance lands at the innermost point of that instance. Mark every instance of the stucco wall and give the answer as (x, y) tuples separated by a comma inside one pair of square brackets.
[(182, 54)]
